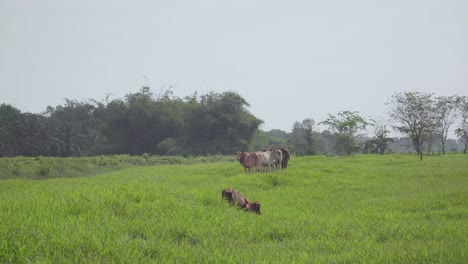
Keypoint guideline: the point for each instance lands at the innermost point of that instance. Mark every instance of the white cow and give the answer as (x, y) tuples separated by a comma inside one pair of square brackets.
[(277, 156), (270, 159), (264, 160)]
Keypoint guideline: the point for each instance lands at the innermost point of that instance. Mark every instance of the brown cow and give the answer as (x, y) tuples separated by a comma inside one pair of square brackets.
[(254, 207), (227, 194), (235, 197), (248, 160)]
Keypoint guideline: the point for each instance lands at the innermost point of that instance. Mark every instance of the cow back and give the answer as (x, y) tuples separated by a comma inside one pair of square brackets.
[(239, 199)]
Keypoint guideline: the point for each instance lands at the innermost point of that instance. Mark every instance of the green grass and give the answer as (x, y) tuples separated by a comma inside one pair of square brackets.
[(52, 167), (373, 209)]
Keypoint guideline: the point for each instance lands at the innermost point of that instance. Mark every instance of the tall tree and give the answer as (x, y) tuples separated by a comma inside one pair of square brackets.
[(219, 123), (113, 127), (35, 136), (414, 114), (25, 134), (345, 125), (10, 118), (74, 125), (303, 137), (462, 130), (445, 115), (259, 141)]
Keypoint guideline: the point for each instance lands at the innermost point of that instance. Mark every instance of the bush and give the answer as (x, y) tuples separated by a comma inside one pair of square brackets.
[(43, 168)]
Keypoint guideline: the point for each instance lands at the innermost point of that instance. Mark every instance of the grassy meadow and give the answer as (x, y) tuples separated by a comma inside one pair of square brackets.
[(373, 209)]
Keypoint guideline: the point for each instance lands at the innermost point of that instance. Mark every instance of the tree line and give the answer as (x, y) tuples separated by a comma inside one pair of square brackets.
[(220, 123), (142, 122), (425, 119)]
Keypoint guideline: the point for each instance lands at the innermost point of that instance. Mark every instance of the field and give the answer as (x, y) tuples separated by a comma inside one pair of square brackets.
[(373, 209)]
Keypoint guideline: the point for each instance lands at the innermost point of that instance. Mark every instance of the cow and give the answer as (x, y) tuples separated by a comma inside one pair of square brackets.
[(248, 160), (277, 157), (281, 159), (271, 159), (286, 157), (227, 194), (266, 161), (235, 197)]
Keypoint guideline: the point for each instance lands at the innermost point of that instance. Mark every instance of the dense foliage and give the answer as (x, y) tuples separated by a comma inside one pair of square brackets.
[(219, 123), (140, 123)]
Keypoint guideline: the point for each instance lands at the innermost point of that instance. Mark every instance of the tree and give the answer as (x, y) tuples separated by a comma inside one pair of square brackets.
[(274, 138), (24, 134), (219, 123), (303, 138), (445, 114), (378, 144), (326, 142), (166, 146), (9, 127), (35, 136), (146, 124), (112, 128), (74, 126), (414, 114), (462, 131), (345, 126), (141, 122), (259, 141)]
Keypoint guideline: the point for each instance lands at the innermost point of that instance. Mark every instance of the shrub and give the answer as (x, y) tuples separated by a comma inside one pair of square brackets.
[(43, 169)]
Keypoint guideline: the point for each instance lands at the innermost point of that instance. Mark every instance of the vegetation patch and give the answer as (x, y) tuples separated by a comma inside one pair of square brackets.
[(52, 167)]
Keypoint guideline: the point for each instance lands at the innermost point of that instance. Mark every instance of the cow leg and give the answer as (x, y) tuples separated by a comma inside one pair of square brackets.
[(278, 166)]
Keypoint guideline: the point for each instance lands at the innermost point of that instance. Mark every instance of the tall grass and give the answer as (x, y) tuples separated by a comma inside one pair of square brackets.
[(377, 209)]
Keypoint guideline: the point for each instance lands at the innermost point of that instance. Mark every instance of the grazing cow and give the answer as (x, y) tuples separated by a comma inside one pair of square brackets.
[(286, 157), (254, 207), (235, 197), (227, 194), (248, 160), (239, 199)]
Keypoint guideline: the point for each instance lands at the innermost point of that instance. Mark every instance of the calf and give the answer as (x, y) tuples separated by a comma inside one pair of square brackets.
[(235, 197)]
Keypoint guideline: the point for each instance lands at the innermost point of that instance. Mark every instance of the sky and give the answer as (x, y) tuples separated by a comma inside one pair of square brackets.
[(290, 60)]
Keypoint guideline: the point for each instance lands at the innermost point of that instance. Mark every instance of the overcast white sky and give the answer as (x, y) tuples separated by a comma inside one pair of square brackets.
[(289, 59)]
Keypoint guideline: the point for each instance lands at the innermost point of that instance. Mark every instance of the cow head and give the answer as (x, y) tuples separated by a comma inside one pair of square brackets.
[(240, 154), (255, 207), (227, 194)]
